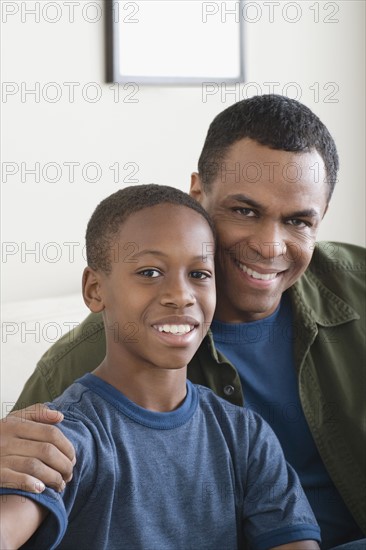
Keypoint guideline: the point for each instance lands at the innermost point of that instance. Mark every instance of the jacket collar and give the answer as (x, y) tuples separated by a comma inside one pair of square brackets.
[(321, 305)]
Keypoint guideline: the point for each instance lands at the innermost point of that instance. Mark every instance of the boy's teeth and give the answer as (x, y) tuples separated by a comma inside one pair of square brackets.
[(256, 275), (175, 329)]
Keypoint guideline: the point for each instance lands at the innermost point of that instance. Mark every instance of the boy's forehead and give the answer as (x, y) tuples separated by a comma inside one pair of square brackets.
[(178, 234), (160, 214), (164, 225)]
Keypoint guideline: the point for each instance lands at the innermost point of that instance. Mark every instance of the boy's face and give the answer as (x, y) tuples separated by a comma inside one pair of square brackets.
[(267, 206), (159, 298)]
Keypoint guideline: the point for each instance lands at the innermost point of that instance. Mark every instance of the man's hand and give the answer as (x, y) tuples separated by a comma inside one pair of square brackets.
[(33, 452)]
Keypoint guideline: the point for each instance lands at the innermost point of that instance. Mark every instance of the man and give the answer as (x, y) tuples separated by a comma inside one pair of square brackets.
[(289, 315)]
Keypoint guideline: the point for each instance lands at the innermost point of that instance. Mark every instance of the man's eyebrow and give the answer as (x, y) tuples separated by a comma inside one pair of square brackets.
[(244, 199), (307, 213)]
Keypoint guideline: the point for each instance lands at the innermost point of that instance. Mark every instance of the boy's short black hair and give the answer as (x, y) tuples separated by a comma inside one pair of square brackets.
[(113, 211), (272, 120)]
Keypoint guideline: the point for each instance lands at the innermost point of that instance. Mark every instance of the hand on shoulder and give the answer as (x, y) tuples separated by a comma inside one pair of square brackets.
[(33, 451)]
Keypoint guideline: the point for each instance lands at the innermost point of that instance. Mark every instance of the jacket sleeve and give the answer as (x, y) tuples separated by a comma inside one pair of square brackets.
[(76, 353)]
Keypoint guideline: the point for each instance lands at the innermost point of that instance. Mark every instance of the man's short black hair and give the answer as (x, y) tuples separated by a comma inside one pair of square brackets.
[(272, 120), (113, 211)]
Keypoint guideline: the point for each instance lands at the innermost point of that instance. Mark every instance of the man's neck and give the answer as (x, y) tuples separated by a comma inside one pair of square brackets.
[(158, 390)]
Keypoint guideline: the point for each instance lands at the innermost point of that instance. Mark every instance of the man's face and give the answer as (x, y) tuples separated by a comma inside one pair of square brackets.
[(159, 298), (267, 206)]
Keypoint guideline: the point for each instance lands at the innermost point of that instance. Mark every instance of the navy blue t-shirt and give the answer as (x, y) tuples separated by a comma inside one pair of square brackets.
[(262, 352), (203, 476)]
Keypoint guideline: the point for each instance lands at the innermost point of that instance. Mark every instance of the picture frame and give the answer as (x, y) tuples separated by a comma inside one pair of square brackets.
[(174, 42)]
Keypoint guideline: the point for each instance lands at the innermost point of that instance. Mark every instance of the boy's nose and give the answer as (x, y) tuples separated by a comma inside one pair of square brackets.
[(177, 294)]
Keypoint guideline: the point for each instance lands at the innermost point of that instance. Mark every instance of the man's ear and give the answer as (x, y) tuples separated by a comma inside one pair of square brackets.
[(91, 290), (196, 190)]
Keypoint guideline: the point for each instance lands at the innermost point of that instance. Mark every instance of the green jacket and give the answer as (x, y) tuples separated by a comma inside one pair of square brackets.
[(329, 347)]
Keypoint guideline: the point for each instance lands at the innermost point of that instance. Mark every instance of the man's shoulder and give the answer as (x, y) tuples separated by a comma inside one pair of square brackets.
[(86, 341), (337, 258), (86, 414), (76, 353), (336, 274), (91, 330)]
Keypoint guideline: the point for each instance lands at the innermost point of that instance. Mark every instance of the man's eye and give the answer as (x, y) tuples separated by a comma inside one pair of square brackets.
[(247, 212), (298, 223), (200, 275), (151, 273)]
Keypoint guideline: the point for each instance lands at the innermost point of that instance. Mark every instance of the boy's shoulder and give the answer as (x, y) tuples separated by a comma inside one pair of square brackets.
[(205, 394), (239, 419), (74, 401)]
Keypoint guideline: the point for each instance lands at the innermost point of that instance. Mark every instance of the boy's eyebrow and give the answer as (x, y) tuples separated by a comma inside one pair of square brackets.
[(161, 254), (149, 252), (307, 213)]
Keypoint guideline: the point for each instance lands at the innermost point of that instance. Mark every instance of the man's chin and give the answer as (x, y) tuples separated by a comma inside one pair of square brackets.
[(247, 309)]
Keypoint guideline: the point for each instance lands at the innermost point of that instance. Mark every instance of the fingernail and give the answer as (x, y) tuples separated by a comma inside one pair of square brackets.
[(40, 487)]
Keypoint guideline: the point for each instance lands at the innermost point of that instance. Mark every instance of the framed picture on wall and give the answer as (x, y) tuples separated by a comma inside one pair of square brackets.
[(174, 41)]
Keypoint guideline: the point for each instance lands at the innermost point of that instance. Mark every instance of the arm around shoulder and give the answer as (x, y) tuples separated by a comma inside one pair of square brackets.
[(79, 351), (33, 452), (35, 390)]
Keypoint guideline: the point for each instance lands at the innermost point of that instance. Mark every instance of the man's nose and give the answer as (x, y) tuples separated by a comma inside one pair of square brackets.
[(269, 242)]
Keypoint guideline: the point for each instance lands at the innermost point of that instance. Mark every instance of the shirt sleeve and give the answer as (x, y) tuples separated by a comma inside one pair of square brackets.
[(60, 505), (276, 510), (52, 530)]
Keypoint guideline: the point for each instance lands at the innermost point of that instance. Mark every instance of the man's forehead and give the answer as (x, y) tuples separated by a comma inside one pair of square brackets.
[(255, 152), (249, 162)]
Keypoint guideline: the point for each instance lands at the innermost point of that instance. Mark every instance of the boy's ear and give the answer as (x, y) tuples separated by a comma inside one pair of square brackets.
[(91, 290), (196, 189)]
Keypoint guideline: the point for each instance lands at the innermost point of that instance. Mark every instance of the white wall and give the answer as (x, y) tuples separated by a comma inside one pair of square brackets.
[(161, 134)]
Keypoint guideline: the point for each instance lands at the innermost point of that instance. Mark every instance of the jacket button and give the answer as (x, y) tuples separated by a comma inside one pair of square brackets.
[(229, 390)]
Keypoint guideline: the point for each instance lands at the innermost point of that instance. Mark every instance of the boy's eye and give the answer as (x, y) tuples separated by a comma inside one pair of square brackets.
[(200, 275), (151, 273)]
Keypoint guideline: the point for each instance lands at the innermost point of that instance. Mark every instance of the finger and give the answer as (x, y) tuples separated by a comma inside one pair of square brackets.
[(13, 476), (9, 479), (32, 454), (39, 413), (14, 429)]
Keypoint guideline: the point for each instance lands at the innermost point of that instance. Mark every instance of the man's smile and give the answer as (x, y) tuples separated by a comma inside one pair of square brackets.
[(262, 276)]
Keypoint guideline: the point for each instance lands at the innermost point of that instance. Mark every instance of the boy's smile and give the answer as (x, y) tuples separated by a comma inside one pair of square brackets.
[(159, 299)]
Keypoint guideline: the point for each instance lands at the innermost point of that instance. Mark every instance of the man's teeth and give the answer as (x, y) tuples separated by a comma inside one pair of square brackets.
[(256, 275), (175, 329)]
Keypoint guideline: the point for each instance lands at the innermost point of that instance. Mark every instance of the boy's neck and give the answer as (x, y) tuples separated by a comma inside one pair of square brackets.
[(158, 390)]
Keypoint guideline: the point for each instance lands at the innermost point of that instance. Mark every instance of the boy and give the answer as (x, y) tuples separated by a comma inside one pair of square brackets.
[(162, 464)]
